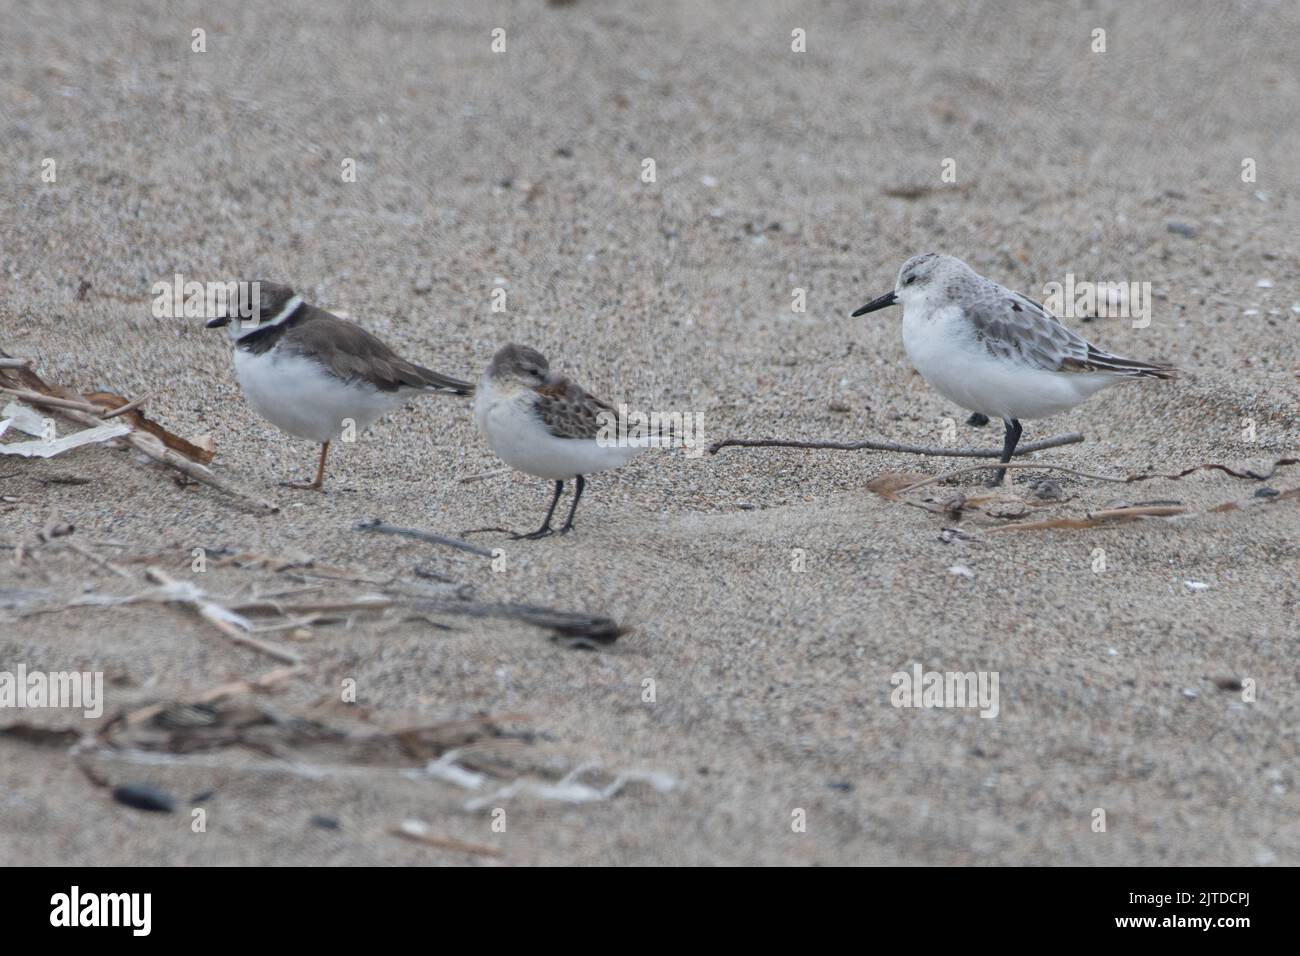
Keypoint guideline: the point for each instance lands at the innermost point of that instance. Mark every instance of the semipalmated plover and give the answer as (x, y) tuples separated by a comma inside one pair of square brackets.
[(545, 425), (309, 372), (995, 352)]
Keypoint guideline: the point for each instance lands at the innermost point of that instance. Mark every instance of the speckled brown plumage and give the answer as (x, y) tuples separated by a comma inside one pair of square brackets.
[(569, 410)]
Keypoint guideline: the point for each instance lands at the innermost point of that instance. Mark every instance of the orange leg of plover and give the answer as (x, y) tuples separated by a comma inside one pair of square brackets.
[(319, 483)]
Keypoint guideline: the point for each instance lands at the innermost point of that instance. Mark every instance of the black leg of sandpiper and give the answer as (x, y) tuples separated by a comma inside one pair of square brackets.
[(1008, 448), (577, 494), (546, 528)]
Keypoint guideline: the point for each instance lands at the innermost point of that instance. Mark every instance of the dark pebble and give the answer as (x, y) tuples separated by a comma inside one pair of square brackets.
[(142, 796), (1267, 492), (325, 823), (977, 420), (1181, 229), (1048, 490)]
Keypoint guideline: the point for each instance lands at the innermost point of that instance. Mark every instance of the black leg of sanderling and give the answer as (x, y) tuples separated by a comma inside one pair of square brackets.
[(1008, 449), (577, 494), (546, 528)]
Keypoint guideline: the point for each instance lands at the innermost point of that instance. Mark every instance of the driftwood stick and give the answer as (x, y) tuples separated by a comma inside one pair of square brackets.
[(121, 409), (873, 445), (380, 527), (418, 832), (155, 449), (220, 617), (1097, 518), (36, 398), (93, 557), (159, 452), (373, 602), (484, 475), (144, 441)]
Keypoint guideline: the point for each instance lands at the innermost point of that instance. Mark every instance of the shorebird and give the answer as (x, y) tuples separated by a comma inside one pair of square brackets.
[(310, 373), (545, 425), (995, 352)]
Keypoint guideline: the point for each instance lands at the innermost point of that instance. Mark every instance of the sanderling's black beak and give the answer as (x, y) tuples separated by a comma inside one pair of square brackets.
[(883, 302), (218, 322)]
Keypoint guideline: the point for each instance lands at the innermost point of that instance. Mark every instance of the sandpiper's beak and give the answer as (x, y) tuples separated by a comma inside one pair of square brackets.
[(886, 300), (218, 322)]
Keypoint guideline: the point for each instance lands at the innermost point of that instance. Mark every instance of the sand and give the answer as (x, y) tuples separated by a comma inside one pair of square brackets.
[(775, 171)]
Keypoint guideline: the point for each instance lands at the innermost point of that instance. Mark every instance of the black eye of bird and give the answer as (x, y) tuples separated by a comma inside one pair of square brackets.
[(909, 280)]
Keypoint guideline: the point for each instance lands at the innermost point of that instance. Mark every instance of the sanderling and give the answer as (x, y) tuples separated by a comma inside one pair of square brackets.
[(995, 352), (545, 425), (311, 373)]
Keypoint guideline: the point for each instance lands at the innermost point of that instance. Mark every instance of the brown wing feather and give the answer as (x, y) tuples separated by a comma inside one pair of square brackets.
[(353, 354), (569, 410)]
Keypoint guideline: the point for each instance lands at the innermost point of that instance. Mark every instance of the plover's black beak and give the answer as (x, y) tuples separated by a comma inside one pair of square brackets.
[(218, 322), (883, 302)]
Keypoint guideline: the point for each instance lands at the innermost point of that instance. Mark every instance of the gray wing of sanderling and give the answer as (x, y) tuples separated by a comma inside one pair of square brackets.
[(1015, 328)]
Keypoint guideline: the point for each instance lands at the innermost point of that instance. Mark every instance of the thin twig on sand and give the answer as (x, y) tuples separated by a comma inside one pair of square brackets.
[(484, 475), (52, 401), (874, 445), (1040, 465), (1111, 515), (96, 559), (418, 832), (367, 602), (1095, 519), (123, 409), (160, 453), (380, 527), (1118, 479)]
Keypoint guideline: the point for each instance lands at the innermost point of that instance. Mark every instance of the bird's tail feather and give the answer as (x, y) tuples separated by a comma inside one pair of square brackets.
[(436, 380), (1105, 362)]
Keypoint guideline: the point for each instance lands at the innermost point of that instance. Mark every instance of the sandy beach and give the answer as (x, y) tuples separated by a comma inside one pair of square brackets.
[(1146, 668)]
